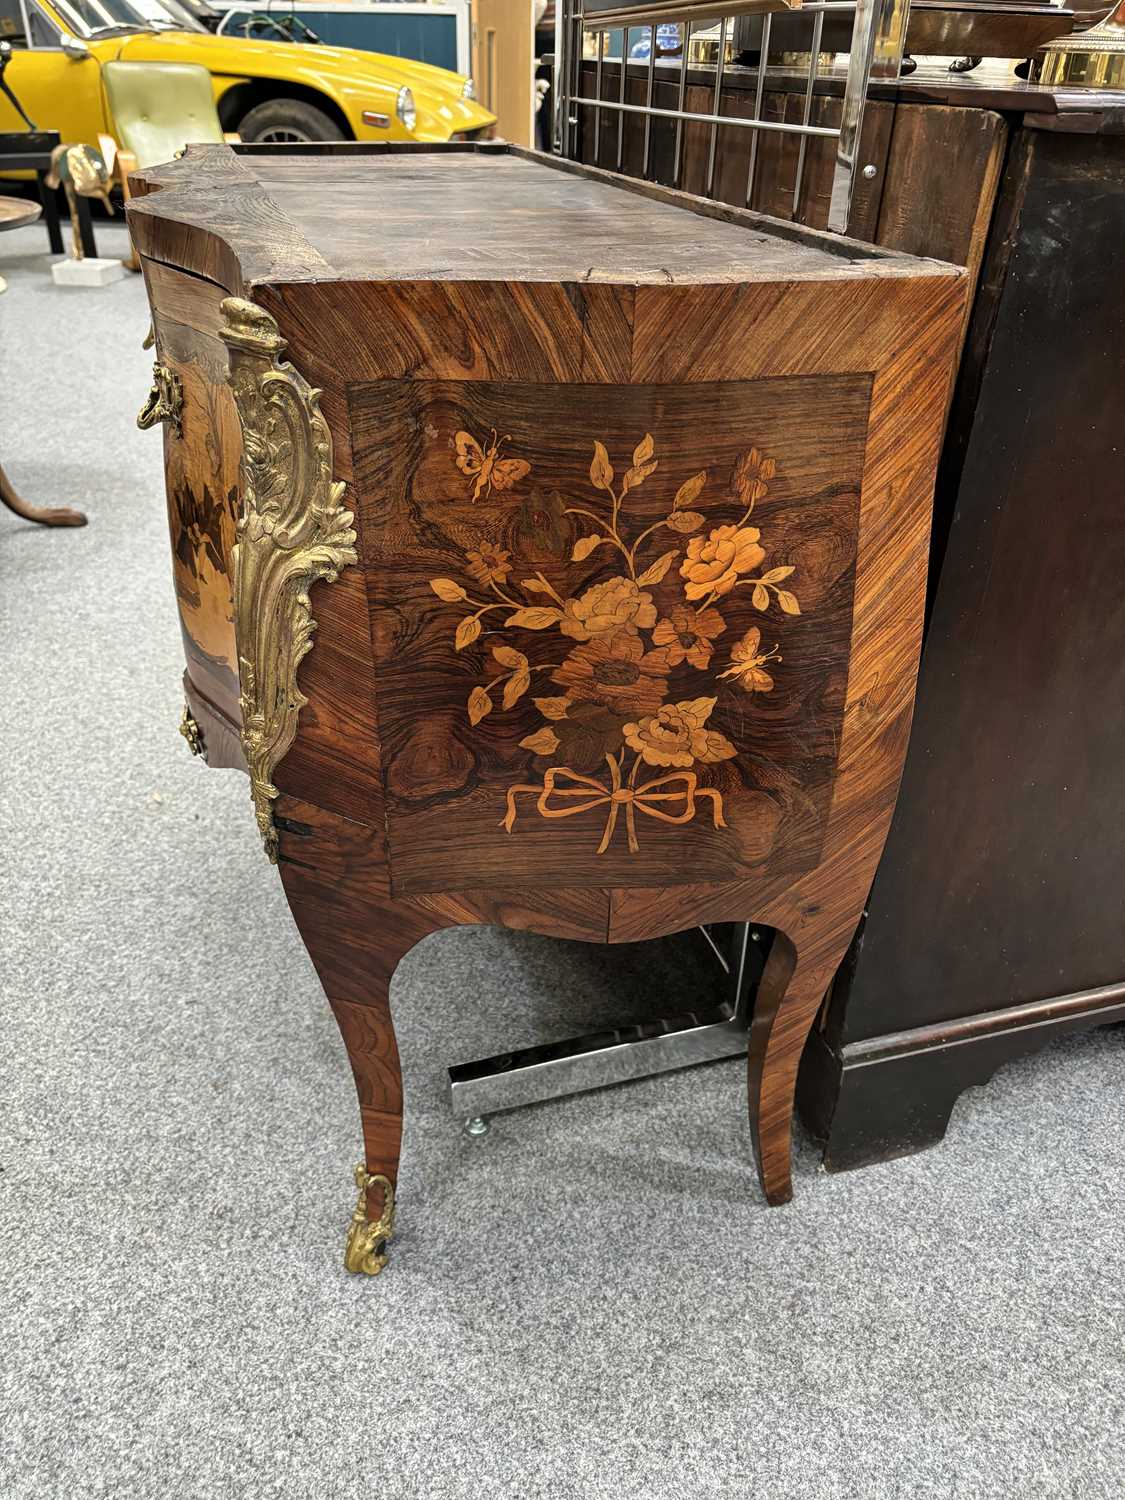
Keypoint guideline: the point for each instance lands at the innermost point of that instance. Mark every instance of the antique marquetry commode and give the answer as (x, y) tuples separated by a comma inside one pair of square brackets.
[(594, 518)]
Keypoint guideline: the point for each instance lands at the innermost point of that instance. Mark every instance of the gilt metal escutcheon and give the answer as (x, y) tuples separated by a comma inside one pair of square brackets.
[(165, 401)]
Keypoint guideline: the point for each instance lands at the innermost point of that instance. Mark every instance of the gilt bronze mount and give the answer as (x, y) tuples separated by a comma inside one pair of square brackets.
[(191, 732), (165, 402), (292, 531), (365, 1251)]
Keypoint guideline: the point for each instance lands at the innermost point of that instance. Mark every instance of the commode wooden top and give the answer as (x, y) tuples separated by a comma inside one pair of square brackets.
[(477, 213)]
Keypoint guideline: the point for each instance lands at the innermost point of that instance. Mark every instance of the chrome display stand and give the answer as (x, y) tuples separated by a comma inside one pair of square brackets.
[(554, 1069)]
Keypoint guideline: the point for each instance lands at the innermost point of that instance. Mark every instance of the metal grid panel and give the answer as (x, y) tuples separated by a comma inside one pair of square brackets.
[(877, 35)]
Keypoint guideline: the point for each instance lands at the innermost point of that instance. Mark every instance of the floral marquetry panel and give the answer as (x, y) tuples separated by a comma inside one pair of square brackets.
[(611, 624)]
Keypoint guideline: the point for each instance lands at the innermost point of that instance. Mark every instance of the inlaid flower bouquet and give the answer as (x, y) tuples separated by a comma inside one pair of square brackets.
[(624, 678)]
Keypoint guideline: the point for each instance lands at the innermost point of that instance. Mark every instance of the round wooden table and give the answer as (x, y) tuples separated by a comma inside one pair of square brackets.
[(14, 214)]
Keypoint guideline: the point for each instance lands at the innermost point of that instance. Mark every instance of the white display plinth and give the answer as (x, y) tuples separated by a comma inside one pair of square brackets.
[(89, 272)]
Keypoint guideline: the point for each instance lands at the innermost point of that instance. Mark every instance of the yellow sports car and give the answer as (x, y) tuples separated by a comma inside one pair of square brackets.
[(265, 90)]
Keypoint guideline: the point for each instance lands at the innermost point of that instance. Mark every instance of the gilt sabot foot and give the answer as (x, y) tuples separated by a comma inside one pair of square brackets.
[(365, 1251)]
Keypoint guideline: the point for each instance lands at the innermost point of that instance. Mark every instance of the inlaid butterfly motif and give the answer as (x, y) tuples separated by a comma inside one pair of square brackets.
[(485, 464), (747, 662)]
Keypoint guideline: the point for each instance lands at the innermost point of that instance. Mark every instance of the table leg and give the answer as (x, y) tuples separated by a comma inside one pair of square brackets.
[(335, 880), (48, 199), (59, 515), (793, 986)]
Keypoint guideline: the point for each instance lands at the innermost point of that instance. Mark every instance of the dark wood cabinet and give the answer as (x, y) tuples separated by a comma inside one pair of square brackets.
[(997, 917)]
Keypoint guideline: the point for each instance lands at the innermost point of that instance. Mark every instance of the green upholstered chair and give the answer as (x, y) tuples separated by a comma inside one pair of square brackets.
[(157, 109)]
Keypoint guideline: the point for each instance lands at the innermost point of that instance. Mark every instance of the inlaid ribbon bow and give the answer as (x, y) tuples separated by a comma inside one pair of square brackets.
[(632, 798)]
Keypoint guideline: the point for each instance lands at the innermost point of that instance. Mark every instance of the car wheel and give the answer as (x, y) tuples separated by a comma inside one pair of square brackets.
[(288, 120)]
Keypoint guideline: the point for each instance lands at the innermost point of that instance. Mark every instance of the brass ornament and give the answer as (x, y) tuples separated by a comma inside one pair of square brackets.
[(1093, 59), (365, 1251), (165, 401), (191, 732), (292, 531)]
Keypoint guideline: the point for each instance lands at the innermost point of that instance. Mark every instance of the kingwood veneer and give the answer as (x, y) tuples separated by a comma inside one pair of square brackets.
[(610, 508)]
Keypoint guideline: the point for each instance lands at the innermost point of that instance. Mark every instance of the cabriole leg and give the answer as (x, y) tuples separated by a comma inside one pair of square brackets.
[(355, 937), (369, 1036), (789, 997)]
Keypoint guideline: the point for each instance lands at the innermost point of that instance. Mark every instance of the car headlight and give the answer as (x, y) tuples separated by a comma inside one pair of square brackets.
[(470, 89), (404, 108)]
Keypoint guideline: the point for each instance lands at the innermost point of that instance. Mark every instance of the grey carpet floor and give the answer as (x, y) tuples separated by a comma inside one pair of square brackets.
[(592, 1301)]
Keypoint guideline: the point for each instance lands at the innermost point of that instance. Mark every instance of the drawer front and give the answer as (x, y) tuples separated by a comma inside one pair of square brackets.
[(201, 466)]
